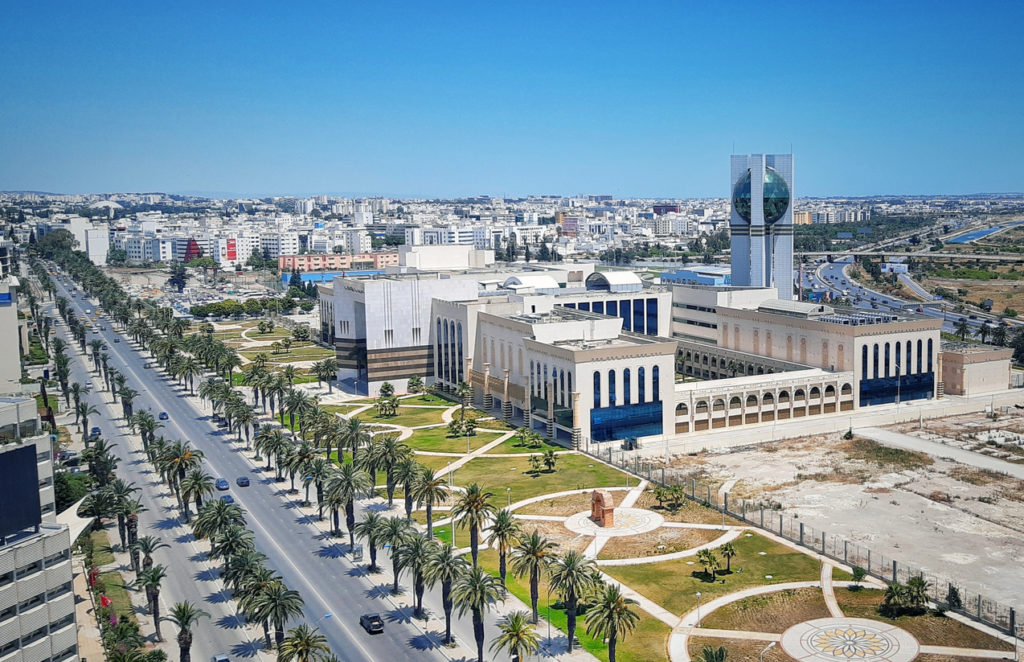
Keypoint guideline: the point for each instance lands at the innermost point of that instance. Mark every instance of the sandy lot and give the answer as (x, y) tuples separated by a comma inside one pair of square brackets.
[(949, 519)]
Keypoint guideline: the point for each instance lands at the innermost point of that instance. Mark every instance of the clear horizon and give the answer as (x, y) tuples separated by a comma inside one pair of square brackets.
[(458, 100)]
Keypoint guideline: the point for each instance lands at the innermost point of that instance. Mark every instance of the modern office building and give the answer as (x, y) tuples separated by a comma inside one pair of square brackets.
[(37, 604), (761, 222)]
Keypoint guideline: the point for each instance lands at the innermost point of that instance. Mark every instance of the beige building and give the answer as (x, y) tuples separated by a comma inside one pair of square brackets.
[(969, 369), (10, 361)]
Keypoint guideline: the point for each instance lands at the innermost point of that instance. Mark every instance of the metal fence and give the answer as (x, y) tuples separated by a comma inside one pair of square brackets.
[(767, 516)]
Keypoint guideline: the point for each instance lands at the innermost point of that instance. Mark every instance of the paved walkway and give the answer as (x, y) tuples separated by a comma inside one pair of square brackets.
[(89, 644), (934, 448), (828, 591)]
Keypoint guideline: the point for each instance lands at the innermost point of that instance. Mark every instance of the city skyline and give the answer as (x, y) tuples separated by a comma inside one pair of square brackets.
[(442, 102)]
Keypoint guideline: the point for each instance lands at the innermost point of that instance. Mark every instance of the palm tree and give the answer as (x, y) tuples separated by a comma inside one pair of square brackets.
[(345, 485), (728, 551), (194, 486), (983, 331), (395, 532), (611, 618), (472, 510), (216, 516), (303, 644), (84, 410), (407, 473), (414, 555), (572, 577), (429, 489), (232, 541), (962, 329), (371, 528), (518, 636), (146, 546), (475, 592), (185, 615), (447, 567), (277, 604), (122, 493), (712, 654), (318, 472), (530, 557), (150, 581), (502, 536)]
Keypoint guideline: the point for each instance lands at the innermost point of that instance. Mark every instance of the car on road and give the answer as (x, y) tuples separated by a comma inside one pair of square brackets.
[(105, 346), (163, 416), (242, 481), (372, 623), (222, 484), (220, 658), (95, 432), (147, 366), (227, 498), (117, 340)]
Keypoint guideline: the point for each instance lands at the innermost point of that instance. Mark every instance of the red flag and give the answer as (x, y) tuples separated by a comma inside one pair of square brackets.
[(105, 601)]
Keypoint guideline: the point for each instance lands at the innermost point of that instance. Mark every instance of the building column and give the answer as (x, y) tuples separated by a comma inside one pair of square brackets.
[(577, 430), (551, 410), (506, 406), (469, 380), (528, 401), (488, 398)]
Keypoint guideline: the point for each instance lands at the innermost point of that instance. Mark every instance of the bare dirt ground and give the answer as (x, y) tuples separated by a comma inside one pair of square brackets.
[(949, 519), (660, 541)]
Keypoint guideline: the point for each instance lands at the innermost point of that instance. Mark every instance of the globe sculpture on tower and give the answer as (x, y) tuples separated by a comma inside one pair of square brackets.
[(761, 222)]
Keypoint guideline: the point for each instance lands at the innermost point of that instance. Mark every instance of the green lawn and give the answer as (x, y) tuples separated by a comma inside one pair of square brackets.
[(435, 462), (428, 399), (493, 422), (437, 440), (571, 472), (340, 409), (672, 584), (409, 417), (101, 552), (113, 588), (512, 445), (645, 644)]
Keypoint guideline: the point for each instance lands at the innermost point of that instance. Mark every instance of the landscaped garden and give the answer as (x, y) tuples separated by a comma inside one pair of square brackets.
[(571, 471)]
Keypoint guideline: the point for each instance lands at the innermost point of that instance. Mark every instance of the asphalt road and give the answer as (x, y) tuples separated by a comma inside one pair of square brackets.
[(312, 564)]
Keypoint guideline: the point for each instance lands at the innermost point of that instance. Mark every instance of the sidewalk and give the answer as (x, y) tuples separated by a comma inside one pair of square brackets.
[(90, 646)]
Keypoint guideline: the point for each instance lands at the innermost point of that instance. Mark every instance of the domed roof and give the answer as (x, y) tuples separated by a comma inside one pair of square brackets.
[(614, 281), (776, 196), (536, 281)]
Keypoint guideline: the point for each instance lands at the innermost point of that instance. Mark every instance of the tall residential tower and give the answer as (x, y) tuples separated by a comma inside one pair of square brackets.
[(761, 222)]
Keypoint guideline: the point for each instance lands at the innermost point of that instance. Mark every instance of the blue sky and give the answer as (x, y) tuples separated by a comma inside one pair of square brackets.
[(446, 99)]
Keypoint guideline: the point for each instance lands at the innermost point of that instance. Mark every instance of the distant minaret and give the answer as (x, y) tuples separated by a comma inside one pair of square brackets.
[(761, 222)]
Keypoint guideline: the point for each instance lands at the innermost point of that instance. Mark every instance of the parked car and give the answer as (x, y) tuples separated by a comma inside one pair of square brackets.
[(372, 623), (227, 498), (117, 340), (95, 432), (242, 481), (222, 484), (163, 416)]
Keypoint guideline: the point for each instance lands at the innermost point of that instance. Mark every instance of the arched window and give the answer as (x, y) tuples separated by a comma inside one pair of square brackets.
[(611, 388), (568, 393), (751, 400), (909, 368), (627, 397), (718, 405), (830, 391), (597, 390), (886, 359), (929, 355), (561, 387), (438, 356), (847, 389), (919, 352), (701, 408), (682, 409), (641, 387), (900, 368), (815, 392), (735, 403), (447, 355), (656, 384), (874, 370), (783, 396), (453, 369), (768, 399), (461, 361), (864, 362), (799, 394)]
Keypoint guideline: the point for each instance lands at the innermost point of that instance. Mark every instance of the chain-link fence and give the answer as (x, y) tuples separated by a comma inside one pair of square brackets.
[(767, 515)]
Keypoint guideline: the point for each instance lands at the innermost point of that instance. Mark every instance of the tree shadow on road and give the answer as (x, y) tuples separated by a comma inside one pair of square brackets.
[(247, 649)]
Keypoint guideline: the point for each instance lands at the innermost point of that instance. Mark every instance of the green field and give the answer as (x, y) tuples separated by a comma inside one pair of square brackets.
[(436, 440), (410, 417), (512, 445), (572, 472), (674, 584), (113, 588)]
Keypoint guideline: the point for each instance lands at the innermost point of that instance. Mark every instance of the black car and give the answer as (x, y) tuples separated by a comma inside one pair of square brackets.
[(372, 623), (242, 481)]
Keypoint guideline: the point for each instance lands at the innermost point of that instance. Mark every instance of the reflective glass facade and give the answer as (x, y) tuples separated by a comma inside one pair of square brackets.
[(885, 389), (636, 420), (776, 196)]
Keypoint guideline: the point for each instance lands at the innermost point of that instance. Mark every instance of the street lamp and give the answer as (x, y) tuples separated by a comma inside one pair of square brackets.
[(508, 493), (898, 380), (323, 618), (767, 648), (698, 608)]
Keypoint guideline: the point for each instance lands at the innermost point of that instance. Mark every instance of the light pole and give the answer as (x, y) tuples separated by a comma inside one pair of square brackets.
[(698, 608), (898, 380), (508, 494), (549, 615), (767, 648), (322, 618)]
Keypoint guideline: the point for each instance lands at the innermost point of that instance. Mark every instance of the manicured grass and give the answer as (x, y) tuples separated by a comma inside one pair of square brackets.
[(573, 471), (512, 445), (772, 612), (435, 462), (113, 588), (340, 409), (437, 440), (645, 644), (101, 551), (929, 629), (409, 417), (674, 584), (492, 422), (428, 399), (739, 649)]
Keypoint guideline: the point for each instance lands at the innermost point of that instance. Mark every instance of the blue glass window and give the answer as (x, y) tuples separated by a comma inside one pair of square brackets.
[(655, 386), (570, 305), (919, 352), (874, 372), (627, 396), (627, 320), (584, 305), (864, 362), (599, 307), (929, 355), (640, 386), (899, 358), (652, 317), (461, 365), (611, 388), (613, 308), (638, 315), (597, 389), (625, 421), (886, 359)]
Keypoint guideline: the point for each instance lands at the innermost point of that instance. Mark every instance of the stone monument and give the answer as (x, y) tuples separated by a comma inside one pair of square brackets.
[(602, 510)]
